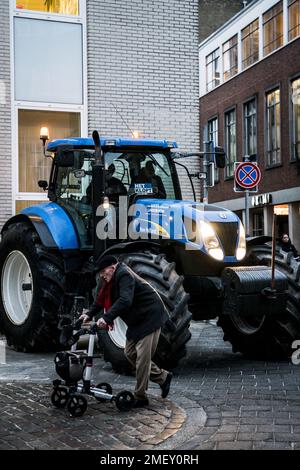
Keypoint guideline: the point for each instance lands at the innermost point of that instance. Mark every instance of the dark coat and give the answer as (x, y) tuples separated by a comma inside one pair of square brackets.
[(136, 302), (287, 247)]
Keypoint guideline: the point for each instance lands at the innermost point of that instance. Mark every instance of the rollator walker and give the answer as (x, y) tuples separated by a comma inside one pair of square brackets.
[(74, 367)]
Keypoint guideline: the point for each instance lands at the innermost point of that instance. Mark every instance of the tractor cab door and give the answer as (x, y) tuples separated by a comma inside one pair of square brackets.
[(72, 190)]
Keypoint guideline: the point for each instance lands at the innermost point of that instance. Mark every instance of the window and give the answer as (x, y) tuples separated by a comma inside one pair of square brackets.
[(48, 61), (250, 128), (273, 128), (230, 57), (258, 223), (250, 44), (273, 28), (213, 70), (230, 142), (33, 166), (212, 131), (65, 7), (294, 19), (296, 119)]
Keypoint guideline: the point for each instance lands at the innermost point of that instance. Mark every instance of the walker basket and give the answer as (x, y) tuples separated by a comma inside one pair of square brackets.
[(70, 366)]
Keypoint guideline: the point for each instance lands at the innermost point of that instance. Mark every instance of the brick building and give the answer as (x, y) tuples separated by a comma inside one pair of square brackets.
[(75, 65), (250, 104)]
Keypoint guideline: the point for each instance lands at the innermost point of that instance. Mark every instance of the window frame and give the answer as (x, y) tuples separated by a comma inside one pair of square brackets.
[(62, 24), (257, 216), (228, 51), (273, 19), (297, 27), (214, 132), (267, 150), (35, 196), (229, 162), (214, 71), (245, 103), (42, 106), (293, 158), (49, 15), (250, 36)]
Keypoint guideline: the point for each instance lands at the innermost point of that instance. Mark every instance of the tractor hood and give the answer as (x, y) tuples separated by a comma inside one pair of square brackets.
[(211, 213), (209, 228)]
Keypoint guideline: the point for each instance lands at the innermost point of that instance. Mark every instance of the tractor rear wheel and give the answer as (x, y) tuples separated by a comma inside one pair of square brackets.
[(32, 286), (161, 274), (260, 337)]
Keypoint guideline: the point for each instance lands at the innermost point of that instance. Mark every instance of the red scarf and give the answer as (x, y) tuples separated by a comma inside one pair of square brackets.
[(104, 296)]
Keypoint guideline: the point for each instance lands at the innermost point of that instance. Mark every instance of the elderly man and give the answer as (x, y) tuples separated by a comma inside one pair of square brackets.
[(126, 295)]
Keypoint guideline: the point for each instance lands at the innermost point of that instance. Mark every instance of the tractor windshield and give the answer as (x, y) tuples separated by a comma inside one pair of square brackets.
[(140, 173)]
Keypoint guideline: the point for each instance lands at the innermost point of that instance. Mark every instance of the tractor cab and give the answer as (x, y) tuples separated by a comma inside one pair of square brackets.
[(133, 169)]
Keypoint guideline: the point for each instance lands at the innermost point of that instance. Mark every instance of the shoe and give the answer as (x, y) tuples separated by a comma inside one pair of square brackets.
[(141, 403), (165, 387)]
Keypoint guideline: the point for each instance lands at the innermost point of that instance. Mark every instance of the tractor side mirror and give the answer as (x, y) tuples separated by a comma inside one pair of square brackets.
[(220, 157), (43, 184), (65, 156), (65, 159)]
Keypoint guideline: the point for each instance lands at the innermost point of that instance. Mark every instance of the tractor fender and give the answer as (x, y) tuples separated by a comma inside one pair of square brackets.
[(129, 247), (261, 240), (52, 224)]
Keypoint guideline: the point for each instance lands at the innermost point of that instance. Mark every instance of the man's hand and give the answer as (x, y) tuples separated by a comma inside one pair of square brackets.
[(85, 318), (101, 323)]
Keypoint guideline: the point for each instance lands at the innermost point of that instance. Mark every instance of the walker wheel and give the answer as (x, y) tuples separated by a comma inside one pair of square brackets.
[(124, 400), (77, 405), (106, 388), (59, 397)]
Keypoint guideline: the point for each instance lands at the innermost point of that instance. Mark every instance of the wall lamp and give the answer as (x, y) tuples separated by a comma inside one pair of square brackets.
[(44, 136)]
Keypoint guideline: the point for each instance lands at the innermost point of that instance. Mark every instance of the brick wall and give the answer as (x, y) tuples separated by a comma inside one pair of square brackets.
[(276, 70), (214, 13), (5, 115), (143, 59)]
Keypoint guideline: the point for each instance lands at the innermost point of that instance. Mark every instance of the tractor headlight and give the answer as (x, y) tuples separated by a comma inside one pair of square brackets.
[(211, 241), (241, 249)]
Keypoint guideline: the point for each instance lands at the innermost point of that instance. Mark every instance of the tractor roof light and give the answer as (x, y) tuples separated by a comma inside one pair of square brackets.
[(171, 145), (136, 134), (110, 143)]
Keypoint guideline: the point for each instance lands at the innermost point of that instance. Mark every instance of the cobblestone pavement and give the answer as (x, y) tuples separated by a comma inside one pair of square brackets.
[(29, 421), (218, 400)]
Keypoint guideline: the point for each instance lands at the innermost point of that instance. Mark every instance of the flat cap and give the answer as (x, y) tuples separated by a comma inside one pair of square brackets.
[(106, 261)]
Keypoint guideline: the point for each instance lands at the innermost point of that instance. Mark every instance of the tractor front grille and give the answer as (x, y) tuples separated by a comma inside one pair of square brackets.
[(228, 236)]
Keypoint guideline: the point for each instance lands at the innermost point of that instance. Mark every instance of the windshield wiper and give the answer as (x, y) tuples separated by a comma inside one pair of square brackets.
[(158, 164)]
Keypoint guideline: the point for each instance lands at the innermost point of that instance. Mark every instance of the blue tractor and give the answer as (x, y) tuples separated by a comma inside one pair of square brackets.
[(123, 197)]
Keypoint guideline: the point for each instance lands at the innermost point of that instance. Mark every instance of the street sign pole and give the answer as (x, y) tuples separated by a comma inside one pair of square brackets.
[(247, 215), (247, 218), (205, 165)]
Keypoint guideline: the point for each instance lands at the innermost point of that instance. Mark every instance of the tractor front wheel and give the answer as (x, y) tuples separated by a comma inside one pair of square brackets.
[(32, 286)]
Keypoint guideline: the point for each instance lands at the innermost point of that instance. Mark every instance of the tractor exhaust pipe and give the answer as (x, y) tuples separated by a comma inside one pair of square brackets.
[(98, 194)]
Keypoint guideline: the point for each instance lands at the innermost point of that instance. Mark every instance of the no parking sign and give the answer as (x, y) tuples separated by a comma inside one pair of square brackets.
[(247, 176)]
